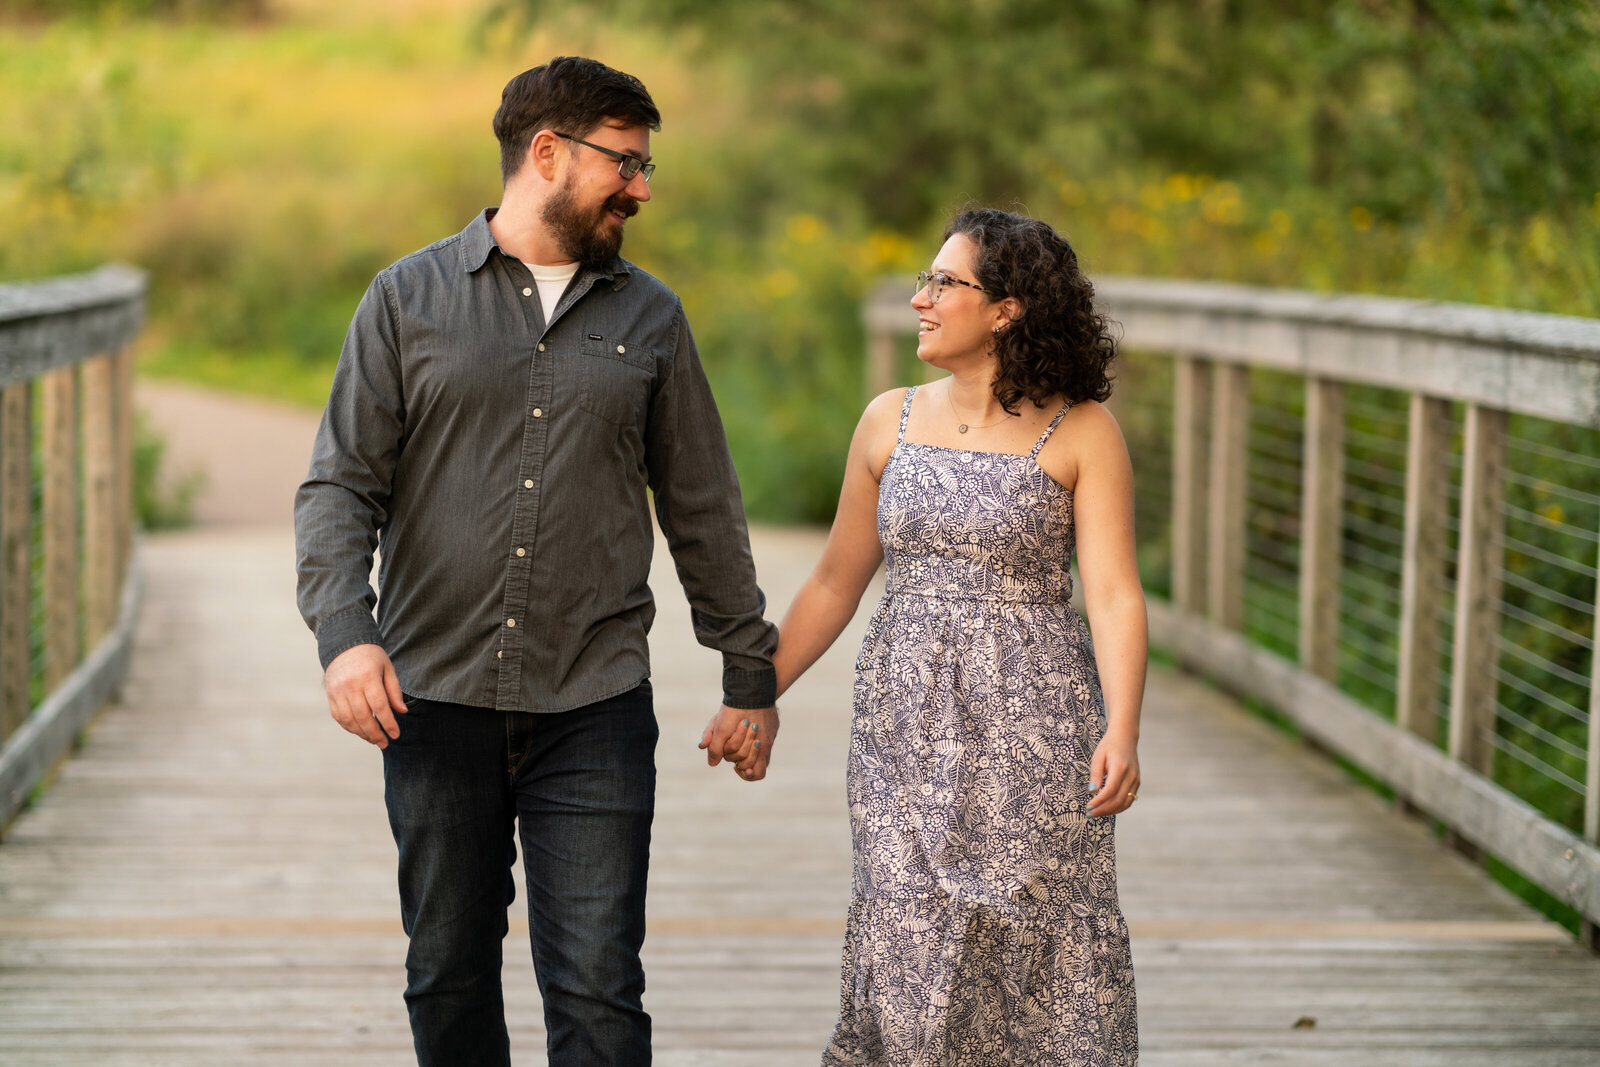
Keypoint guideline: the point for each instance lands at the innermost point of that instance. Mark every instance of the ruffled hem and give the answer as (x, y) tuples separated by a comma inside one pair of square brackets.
[(944, 983)]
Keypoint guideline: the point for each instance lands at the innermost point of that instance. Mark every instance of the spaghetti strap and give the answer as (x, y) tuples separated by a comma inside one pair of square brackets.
[(1048, 430), (905, 413)]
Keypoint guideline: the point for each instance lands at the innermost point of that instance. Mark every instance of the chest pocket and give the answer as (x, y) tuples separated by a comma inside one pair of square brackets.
[(613, 379)]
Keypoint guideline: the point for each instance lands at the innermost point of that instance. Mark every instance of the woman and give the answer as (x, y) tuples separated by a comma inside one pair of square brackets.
[(985, 764)]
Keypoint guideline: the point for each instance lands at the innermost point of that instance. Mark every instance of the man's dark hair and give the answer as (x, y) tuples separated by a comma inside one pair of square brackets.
[(569, 95)]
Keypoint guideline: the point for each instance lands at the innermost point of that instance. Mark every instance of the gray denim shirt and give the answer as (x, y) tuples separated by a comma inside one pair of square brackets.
[(502, 463)]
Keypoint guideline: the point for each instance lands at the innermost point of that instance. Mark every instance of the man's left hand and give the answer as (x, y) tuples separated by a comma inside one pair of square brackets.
[(743, 737)]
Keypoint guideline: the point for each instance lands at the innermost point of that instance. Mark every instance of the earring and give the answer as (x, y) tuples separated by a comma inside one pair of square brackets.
[(997, 331)]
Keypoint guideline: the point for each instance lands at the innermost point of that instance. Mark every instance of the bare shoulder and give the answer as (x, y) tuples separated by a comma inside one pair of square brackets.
[(878, 429), (1090, 425), (1088, 438)]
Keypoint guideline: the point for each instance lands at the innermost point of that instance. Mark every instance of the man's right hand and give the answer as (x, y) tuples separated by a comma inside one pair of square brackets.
[(364, 693)]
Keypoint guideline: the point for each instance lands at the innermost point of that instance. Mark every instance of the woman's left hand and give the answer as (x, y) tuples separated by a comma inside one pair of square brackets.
[(1115, 764)]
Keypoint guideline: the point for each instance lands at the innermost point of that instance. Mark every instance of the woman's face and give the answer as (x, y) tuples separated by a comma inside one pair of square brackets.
[(959, 326)]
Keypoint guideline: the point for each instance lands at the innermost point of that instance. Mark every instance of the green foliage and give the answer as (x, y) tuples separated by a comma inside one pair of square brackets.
[(1408, 106), (161, 500)]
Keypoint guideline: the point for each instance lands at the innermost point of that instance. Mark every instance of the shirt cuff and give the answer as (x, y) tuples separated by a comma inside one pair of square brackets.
[(344, 632), (749, 690)]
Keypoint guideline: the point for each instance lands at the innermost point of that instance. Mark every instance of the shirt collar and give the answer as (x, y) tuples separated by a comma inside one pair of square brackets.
[(477, 241)]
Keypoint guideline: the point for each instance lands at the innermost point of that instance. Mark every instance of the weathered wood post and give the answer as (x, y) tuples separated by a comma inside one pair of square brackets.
[(1422, 566), (16, 544), (1225, 532), (1191, 402), (1477, 632), (1321, 494)]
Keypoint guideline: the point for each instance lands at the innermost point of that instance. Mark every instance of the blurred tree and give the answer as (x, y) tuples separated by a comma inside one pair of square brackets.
[(1400, 105)]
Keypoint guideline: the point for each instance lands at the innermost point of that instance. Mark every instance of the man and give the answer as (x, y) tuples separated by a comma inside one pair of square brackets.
[(503, 400)]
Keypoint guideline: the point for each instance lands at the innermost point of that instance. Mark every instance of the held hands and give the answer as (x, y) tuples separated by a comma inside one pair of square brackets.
[(364, 693), (1115, 765), (743, 737)]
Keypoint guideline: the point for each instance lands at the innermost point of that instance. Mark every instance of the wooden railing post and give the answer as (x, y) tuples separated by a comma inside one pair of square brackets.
[(122, 393), (1422, 566), (1230, 425), (1322, 484), (1477, 652), (1191, 403), (99, 497), (16, 565), (59, 446)]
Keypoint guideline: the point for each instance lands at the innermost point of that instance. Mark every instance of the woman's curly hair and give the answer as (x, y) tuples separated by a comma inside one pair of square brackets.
[(1058, 344)]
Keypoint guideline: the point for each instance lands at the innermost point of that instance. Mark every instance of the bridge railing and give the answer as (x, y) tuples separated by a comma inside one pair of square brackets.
[(1381, 518), (68, 595)]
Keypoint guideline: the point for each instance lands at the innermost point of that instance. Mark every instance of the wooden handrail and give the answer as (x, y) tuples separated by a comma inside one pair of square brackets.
[(66, 482), (1494, 363)]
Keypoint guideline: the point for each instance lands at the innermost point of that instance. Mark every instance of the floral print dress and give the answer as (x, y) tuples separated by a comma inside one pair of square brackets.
[(984, 927)]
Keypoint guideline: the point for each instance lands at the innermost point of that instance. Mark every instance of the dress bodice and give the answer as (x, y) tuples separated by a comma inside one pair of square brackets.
[(969, 524)]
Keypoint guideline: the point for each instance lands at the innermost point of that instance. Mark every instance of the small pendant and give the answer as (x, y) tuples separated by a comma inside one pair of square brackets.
[(962, 428)]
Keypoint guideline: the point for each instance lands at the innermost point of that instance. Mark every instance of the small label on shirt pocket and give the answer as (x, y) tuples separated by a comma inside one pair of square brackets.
[(613, 378)]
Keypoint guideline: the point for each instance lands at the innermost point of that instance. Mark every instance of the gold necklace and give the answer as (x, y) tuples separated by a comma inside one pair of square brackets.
[(962, 427)]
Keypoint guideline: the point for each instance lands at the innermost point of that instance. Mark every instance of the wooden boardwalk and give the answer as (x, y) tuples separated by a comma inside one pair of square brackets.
[(210, 880)]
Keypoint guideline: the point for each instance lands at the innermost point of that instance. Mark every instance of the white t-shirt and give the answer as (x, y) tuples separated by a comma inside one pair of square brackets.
[(552, 282)]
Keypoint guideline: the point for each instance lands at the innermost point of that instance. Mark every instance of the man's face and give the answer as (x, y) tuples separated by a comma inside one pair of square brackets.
[(593, 202)]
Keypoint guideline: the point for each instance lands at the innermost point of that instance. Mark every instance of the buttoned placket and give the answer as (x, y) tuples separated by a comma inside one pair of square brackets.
[(515, 635)]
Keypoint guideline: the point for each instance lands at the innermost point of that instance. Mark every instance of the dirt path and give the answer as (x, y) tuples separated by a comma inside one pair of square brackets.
[(251, 453)]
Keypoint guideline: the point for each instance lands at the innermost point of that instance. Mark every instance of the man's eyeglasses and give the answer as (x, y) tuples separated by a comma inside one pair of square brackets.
[(627, 166), (936, 281)]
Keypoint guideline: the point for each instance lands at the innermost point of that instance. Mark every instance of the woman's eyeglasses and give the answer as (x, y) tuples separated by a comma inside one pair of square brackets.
[(936, 281)]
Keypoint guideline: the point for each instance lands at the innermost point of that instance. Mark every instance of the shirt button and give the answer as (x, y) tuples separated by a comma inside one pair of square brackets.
[(522, 552), (527, 292), (511, 622), (541, 346), (528, 484), (538, 413), (500, 655), (620, 350)]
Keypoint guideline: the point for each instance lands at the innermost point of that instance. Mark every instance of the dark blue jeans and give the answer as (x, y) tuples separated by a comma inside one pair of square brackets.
[(579, 787)]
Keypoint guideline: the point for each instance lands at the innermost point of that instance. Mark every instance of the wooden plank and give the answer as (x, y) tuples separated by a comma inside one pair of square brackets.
[(1527, 362), (1321, 500), (1478, 578), (1225, 531), (230, 879), (57, 322), (1191, 404), (60, 545), (16, 537), (1483, 814), (98, 378), (1422, 566)]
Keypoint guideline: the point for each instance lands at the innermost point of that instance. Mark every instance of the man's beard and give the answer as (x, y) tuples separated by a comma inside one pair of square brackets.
[(584, 235)]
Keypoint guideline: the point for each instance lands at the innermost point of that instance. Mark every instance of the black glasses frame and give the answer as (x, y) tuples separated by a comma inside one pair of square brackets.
[(935, 282), (627, 166)]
